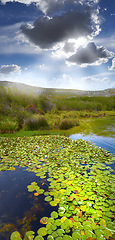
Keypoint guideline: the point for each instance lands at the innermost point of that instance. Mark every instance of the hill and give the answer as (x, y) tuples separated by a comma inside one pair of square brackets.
[(32, 90)]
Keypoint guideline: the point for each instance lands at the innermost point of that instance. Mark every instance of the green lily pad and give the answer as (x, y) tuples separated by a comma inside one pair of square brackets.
[(50, 237), (53, 203), (57, 222), (76, 235), (42, 231), (48, 199), (51, 220), (39, 238), (15, 236), (58, 238), (53, 227), (54, 214), (60, 232), (67, 237), (48, 226)]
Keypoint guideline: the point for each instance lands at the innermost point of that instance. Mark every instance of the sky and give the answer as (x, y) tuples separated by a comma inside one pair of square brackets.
[(67, 44)]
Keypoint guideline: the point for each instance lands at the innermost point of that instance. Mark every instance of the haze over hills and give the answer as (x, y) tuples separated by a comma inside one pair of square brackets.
[(30, 90)]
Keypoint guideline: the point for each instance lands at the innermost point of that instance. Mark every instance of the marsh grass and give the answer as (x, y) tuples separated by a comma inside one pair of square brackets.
[(7, 124), (36, 122), (68, 123)]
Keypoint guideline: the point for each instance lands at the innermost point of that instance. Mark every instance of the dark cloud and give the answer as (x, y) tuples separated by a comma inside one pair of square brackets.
[(90, 54), (46, 31)]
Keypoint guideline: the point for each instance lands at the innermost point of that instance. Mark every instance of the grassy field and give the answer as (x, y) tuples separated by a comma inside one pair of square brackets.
[(27, 111), (101, 123)]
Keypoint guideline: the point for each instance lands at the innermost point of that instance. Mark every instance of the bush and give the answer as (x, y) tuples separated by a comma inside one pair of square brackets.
[(8, 125), (36, 123), (68, 123)]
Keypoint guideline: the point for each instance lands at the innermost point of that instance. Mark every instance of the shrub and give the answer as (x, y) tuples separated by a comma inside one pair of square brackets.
[(36, 123), (8, 125), (32, 109), (68, 123)]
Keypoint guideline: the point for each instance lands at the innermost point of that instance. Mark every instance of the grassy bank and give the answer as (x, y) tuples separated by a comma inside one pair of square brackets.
[(27, 111), (99, 123)]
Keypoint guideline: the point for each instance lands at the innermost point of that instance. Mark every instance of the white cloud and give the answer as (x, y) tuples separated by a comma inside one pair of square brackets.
[(113, 65), (65, 81), (20, 1), (10, 69), (96, 79), (49, 6), (10, 72), (108, 42)]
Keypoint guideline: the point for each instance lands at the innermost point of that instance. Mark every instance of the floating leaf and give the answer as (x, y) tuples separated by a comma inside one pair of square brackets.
[(76, 235), (63, 219), (67, 237), (48, 199), (42, 231), (39, 238), (15, 236), (50, 237), (53, 203), (54, 214), (29, 235), (44, 220)]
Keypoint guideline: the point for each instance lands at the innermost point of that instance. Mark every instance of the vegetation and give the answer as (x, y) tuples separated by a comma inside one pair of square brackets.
[(78, 182), (62, 110)]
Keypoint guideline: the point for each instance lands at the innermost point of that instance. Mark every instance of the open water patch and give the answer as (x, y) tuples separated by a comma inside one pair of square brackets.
[(20, 210)]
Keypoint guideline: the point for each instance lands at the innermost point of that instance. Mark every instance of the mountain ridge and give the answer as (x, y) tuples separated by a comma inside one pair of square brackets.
[(28, 89)]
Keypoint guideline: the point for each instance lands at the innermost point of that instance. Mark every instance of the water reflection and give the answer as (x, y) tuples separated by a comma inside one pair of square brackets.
[(19, 209)]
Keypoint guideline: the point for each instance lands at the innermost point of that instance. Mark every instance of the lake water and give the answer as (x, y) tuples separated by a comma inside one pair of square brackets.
[(18, 206), (19, 209)]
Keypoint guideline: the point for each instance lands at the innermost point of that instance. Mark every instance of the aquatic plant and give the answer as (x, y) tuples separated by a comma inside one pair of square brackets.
[(80, 183)]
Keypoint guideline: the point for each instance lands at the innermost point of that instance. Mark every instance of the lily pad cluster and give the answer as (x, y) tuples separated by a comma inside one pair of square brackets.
[(79, 182)]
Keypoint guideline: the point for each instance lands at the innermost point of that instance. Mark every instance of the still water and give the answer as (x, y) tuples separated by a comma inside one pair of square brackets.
[(21, 210)]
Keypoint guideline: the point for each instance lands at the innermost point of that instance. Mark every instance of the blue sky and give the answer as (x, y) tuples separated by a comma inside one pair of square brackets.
[(58, 43)]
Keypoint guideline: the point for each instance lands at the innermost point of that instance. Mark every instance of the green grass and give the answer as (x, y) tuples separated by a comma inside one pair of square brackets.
[(101, 126)]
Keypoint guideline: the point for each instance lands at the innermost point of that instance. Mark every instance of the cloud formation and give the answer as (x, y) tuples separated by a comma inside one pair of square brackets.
[(9, 69), (90, 55), (113, 65), (46, 32), (50, 6), (20, 1)]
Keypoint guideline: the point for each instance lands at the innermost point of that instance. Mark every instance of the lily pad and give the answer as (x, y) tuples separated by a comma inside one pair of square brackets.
[(15, 236), (39, 238), (67, 237), (54, 214), (42, 231), (76, 235), (44, 220)]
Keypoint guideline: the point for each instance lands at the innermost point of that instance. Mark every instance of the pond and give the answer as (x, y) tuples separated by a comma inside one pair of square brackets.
[(19, 209), (60, 181)]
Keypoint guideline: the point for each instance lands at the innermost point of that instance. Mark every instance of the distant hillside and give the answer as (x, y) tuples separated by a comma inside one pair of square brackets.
[(31, 90)]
